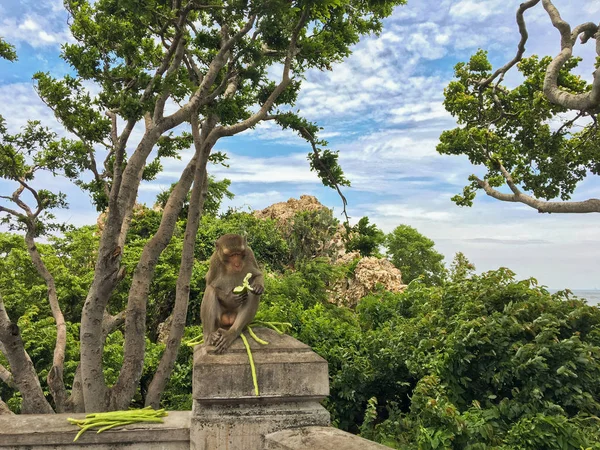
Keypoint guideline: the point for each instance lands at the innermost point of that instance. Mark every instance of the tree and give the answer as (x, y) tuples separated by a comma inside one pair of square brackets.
[(365, 238), (461, 268), (512, 132), (414, 255), (186, 73), (7, 51)]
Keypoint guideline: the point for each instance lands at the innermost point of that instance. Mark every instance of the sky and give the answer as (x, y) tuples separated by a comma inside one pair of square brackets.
[(382, 109)]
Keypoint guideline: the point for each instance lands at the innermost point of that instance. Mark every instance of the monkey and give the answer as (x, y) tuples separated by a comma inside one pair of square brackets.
[(224, 314)]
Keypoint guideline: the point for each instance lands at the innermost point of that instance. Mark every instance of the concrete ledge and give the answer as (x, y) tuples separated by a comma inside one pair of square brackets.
[(226, 413), (286, 369), (318, 438), (41, 431)]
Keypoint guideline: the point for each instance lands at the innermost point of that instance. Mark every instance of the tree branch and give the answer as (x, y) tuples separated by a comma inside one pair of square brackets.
[(285, 81), (55, 375), (135, 318), (182, 292), (7, 377), (200, 97), (587, 101), (587, 206), (520, 47), (22, 368), (310, 138)]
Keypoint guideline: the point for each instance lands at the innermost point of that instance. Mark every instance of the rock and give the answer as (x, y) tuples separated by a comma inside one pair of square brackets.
[(283, 212), (369, 273)]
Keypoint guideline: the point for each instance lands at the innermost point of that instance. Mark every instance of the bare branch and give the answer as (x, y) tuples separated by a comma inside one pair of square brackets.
[(586, 206), (112, 323), (9, 210), (520, 47), (22, 367), (55, 375), (587, 101), (182, 293), (160, 103)]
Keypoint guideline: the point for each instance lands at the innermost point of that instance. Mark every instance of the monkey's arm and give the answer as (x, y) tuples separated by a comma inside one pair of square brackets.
[(258, 281), (210, 312)]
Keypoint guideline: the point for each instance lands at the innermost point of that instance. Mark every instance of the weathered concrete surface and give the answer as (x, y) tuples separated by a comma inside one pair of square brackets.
[(318, 438), (286, 369), (227, 415), (45, 432)]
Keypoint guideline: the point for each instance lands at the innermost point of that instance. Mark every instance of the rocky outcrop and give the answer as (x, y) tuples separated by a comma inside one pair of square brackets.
[(283, 213), (368, 273)]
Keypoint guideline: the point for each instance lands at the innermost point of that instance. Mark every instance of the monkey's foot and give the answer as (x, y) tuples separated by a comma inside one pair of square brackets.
[(223, 339), (214, 338)]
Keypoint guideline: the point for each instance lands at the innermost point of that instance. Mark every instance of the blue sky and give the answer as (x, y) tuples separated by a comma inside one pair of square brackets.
[(382, 109)]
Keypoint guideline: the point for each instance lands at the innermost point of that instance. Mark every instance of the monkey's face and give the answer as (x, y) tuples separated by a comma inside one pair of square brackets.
[(234, 259), (231, 249)]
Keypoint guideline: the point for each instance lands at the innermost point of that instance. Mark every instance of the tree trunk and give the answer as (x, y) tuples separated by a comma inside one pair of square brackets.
[(135, 322), (199, 191), (55, 375), (22, 368), (4, 410), (96, 394)]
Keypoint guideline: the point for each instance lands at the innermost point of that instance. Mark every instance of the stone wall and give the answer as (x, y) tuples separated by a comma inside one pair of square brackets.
[(227, 414), (53, 432)]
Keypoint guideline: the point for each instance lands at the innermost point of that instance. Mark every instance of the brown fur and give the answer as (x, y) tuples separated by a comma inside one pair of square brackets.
[(224, 314)]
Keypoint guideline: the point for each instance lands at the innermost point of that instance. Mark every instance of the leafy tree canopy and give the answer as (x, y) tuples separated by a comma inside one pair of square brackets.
[(414, 255), (7, 51), (540, 137), (365, 238)]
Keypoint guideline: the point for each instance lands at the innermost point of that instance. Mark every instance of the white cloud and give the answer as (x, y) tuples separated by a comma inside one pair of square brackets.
[(405, 212), (419, 112), (35, 30), (479, 10)]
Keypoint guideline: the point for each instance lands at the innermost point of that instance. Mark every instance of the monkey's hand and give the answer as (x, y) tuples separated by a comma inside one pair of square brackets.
[(258, 289), (240, 299), (222, 339)]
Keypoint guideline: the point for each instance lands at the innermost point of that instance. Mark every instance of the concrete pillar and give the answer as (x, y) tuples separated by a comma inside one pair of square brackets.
[(226, 413)]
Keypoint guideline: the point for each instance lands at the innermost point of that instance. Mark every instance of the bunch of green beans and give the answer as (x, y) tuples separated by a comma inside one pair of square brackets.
[(107, 420)]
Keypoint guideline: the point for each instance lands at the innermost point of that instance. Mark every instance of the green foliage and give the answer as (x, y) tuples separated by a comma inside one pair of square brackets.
[(21, 156), (461, 268), (365, 238), (310, 234), (495, 363), (263, 237), (217, 191), (414, 255), (323, 161), (7, 51), (512, 128)]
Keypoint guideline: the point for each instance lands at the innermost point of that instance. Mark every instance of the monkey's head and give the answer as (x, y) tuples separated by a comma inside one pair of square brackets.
[(231, 250)]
